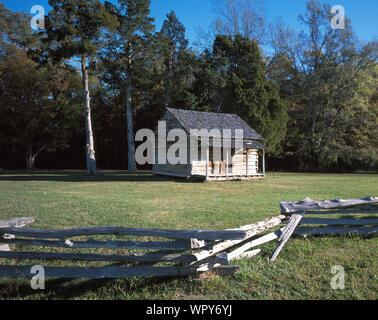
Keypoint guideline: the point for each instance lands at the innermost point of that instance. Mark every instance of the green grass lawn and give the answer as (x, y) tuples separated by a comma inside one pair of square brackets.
[(59, 200)]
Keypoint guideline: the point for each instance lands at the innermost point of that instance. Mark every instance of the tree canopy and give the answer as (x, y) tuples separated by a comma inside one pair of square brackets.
[(312, 96)]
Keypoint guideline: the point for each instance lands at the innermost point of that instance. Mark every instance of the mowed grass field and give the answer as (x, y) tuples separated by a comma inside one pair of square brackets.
[(60, 200)]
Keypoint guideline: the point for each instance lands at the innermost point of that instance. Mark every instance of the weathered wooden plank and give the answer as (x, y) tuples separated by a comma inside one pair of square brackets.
[(286, 234), (342, 212), (4, 247), (309, 204), (227, 257), (109, 272), (233, 177), (16, 223), (197, 244), (208, 266), (249, 254), (293, 223), (267, 223), (219, 269), (12, 223), (93, 244), (262, 224), (149, 257), (119, 231), (224, 258), (318, 231), (251, 230), (338, 221)]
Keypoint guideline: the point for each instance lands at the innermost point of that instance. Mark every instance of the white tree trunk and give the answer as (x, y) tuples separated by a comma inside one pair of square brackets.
[(130, 127), (30, 160), (89, 141), (30, 157)]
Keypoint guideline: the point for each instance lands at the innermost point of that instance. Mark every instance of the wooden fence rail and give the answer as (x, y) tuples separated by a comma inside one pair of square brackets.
[(13, 223), (354, 224), (194, 251), (237, 234), (185, 252), (308, 204), (93, 244), (329, 226)]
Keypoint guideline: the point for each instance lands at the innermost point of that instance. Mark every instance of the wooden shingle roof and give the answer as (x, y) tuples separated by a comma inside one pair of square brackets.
[(194, 120)]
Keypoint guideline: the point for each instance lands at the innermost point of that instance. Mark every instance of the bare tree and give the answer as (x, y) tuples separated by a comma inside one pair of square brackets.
[(244, 17), (320, 71)]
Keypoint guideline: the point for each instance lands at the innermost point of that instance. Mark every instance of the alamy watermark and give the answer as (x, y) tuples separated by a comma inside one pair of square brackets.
[(338, 17), (177, 147), (38, 281), (338, 281), (37, 22)]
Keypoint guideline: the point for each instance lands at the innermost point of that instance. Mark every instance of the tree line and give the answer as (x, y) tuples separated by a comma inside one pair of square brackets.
[(312, 95)]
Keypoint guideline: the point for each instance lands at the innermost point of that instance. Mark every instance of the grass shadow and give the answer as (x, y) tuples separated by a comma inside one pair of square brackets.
[(81, 176), (65, 289)]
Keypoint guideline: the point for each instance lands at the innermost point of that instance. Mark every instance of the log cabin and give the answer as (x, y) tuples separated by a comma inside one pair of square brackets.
[(210, 153)]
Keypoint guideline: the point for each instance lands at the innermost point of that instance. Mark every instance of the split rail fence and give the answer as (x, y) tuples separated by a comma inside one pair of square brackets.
[(183, 253), (356, 216)]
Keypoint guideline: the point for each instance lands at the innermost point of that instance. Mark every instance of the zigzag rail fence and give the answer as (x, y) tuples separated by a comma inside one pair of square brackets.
[(183, 252)]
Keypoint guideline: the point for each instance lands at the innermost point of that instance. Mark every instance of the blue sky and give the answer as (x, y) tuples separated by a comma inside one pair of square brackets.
[(199, 13)]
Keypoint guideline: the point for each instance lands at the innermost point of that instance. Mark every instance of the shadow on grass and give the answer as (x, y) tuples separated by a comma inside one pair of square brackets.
[(64, 289), (81, 176)]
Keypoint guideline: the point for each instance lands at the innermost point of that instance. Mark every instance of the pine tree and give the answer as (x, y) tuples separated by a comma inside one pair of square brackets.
[(74, 29), (248, 92), (127, 48), (172, 42)]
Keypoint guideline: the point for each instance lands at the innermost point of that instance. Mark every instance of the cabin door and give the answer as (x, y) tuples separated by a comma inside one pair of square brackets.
[(218, 161), (226, 164)]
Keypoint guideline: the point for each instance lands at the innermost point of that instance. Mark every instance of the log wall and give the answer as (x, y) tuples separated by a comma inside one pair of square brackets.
[(237, 165), (176, 170)]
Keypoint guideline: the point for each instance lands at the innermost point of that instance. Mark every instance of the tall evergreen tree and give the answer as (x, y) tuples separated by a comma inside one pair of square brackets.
[(15, 31), (127, 48), (248, 92), (210, 78), (74, 31), (173, 42)]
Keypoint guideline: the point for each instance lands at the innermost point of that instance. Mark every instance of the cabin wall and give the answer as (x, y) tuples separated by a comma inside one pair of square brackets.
[(239, 162), (215, 166), (175, 170), (237, 166), (198, 168)]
